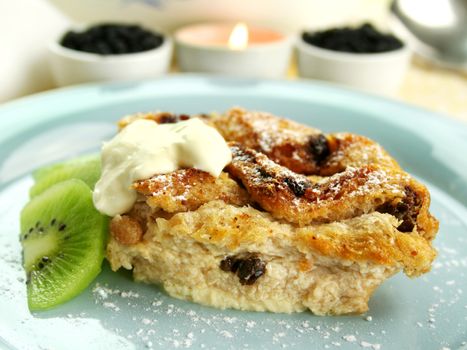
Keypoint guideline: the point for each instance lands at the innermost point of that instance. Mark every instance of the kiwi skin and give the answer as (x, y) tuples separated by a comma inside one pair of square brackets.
[(63, 257)]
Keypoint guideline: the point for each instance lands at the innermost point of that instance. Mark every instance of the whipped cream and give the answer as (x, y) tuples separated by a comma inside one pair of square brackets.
[(145, 148)]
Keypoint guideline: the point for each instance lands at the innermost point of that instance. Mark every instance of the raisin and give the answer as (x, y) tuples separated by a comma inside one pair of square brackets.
[(406, 210), (126, 230), (264, 174), (248, 268), (167, 119), (364, 39), (319, 147), (298, 187), (171, 118), (183, 117), (112, 39), (226, 264)]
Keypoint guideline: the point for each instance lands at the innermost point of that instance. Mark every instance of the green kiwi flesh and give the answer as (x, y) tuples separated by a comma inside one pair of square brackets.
[(86, 168), (63, 238)]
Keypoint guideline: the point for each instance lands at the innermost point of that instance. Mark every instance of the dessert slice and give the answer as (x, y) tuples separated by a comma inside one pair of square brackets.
[(298, 220)]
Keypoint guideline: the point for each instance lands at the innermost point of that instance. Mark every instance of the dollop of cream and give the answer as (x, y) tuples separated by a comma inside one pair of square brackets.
[(145, 148)]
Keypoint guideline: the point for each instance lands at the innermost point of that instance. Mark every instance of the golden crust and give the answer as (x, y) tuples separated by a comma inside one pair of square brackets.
[(284, 141), (300, 148), (187, 189), (293, 197), (126, 229), (355, 191), (290, 189), (366, 185)]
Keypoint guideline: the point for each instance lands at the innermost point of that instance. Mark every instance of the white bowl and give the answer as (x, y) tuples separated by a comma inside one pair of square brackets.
[(74, 67), (380, 73)]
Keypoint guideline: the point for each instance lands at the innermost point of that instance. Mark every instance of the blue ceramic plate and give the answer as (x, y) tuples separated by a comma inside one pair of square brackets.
[(114, 313)]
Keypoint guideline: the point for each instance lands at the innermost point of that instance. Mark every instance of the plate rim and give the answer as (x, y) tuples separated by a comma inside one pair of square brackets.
[(42, 96), (39, 98)]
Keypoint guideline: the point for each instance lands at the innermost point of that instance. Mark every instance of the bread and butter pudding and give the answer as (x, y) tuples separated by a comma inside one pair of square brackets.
[(287, 219)]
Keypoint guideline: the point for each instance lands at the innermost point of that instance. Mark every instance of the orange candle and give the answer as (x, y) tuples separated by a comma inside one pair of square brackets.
[(233, 49)]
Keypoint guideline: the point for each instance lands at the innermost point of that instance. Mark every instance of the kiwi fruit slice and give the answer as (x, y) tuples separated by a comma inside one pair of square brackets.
[(86, 168), (63, 238)]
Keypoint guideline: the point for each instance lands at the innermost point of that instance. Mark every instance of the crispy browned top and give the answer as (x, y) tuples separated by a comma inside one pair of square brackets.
[(307, 179), (355, 191), (188, 189), (295, 198), (300, 148)]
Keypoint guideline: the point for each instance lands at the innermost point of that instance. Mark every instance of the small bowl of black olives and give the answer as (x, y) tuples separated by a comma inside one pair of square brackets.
[(109, 52), (362, 57)]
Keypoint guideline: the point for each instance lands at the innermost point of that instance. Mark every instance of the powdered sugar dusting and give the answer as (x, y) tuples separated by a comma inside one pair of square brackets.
[(349, 338), (152, 333), (167, 322), (149, 319), (271, 131), (168, 188), (299, 195)]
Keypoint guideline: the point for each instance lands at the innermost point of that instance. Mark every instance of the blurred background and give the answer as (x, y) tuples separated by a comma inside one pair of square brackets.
[(28, 26)]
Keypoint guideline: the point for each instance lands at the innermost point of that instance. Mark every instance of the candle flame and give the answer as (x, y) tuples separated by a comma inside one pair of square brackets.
[(238, 39)]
